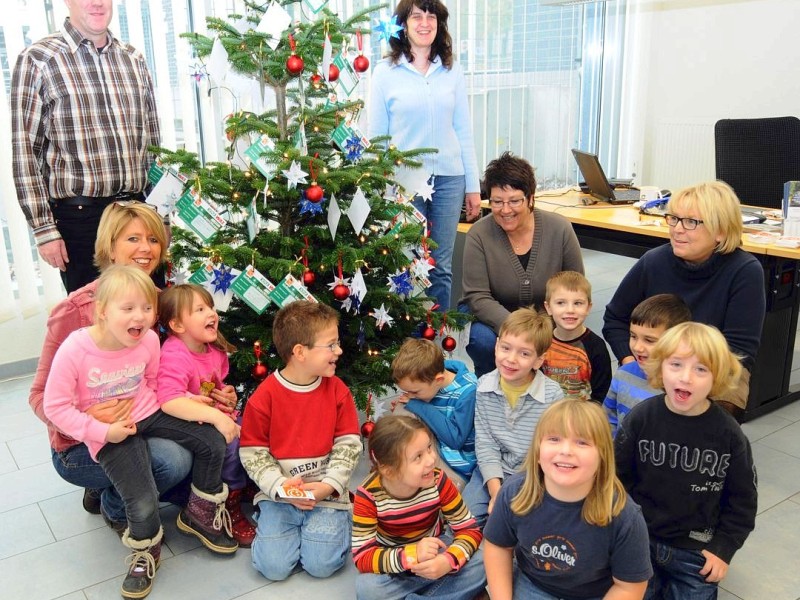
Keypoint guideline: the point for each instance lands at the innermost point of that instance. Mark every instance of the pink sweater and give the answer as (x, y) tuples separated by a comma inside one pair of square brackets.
[(182, 370), (72, 313), (82, 375)]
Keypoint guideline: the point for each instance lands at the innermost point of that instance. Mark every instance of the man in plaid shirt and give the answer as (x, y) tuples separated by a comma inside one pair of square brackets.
[(83, 114)]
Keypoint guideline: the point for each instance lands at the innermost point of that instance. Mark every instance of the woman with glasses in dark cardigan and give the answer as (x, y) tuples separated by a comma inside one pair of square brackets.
[(510, 254), (703, 264)]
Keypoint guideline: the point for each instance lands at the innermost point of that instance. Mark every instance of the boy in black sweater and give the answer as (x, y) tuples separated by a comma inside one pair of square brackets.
[(688, 464)]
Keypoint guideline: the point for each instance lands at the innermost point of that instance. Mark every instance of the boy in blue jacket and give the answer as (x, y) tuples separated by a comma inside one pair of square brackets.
[(441, 393)]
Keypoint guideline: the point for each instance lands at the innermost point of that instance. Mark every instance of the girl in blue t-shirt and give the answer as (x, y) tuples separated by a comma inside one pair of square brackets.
[(566, 517)]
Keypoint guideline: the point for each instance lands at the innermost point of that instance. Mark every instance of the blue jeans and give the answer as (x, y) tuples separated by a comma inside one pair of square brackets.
[(461, 585), (443, 212), (525, 589), (170, 464), (676, 574), (476, 497), (480, 348), (318, 539), (127, 465)]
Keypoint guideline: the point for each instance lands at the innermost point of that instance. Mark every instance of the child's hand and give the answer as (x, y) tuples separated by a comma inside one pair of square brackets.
[(428, 548), (111, 410), (715, 568), (299, 503), (319, 489), (200, 398), (434, 568), (119, 430), (227, 427), (225, 398)]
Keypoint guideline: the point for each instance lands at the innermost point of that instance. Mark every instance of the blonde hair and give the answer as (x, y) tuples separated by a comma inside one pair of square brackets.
[(418, 360), (118, 279), (710, 348), (534, 327), (572, 281), (177, 300), (719, 209), (299, 323), (388, 441), (115, 218), (586, 420)]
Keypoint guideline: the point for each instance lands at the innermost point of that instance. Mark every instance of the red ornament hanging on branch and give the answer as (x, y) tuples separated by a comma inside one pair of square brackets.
[(361, 62), (333, 73), (294, 64), (340, 291), (308, 275), (369, 425), (314, 193), (429, 333), (316, 81), (260, 371), (426, 254), (448, 342)]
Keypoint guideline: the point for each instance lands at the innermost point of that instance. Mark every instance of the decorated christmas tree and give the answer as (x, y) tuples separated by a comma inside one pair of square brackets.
[(305, 206)]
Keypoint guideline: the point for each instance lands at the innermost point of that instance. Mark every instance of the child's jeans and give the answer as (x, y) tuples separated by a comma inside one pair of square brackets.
[(127, 465), (476, 497), (233, 472), (480, 348), (676, 574), (461, 585), (317, 539)]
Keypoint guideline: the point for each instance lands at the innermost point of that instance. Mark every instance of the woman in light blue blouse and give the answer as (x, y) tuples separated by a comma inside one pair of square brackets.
[(419, 98)]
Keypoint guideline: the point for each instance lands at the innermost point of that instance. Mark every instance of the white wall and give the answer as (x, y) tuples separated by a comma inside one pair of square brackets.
[(704, 60)]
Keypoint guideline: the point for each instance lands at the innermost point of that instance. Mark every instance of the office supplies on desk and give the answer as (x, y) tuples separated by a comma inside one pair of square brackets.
[(597, 183)]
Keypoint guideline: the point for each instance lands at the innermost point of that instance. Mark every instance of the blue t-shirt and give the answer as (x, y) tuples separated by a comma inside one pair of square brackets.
[(561, 553)]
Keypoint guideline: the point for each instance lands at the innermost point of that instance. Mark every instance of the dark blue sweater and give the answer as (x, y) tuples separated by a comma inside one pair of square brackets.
[(727, 291)]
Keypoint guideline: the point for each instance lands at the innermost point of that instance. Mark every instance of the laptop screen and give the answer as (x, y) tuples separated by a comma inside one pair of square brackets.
[(593, 175)]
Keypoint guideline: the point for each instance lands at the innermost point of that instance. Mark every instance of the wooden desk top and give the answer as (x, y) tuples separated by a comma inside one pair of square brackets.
[(626, 218)]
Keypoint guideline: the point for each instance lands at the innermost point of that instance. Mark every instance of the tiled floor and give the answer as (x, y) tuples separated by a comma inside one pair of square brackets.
[(51, 548)]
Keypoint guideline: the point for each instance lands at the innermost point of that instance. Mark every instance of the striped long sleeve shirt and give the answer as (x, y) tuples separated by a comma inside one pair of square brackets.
[(82, 119), (385, 528), (503, 434)]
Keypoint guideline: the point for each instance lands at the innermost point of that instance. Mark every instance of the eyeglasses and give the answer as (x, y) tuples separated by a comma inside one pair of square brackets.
[(332, 347), (688, 223), (513, 203)]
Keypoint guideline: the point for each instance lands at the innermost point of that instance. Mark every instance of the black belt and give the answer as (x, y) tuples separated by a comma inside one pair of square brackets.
[(97, 200)]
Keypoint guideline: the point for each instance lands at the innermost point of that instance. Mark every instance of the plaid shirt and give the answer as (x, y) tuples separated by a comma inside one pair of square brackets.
[(82, 120)]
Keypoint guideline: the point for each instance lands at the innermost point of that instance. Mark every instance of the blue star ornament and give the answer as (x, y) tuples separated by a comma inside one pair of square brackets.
[(223, 278), (310, 208), (388, 28), (400, 283), (353, 148)]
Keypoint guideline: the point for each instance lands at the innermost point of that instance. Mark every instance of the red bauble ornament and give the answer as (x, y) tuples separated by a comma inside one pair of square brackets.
[(333, 73), (294, 64), (367, 428), (449, 343), (260, 371), (314, 192), (360, 63), (316, 81), (341, 292), (309, 278), (429, 333)]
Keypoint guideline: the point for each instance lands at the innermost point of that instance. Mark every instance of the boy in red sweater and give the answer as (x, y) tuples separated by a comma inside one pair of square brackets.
[(300, 443)]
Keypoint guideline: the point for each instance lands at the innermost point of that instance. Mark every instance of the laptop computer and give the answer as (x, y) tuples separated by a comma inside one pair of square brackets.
[(597, 182)]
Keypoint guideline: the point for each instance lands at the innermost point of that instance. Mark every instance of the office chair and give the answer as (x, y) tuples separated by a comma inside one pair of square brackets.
[(757, 156)]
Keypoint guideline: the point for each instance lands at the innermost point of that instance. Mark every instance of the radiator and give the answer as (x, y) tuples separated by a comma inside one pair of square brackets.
[(682, 153)]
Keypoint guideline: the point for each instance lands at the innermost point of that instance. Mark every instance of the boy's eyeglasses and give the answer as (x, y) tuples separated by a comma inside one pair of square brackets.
[(513, 203), (332, 347), (688, 223)]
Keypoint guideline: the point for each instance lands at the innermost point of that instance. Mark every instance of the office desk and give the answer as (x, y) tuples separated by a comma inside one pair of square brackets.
[(621, 230)]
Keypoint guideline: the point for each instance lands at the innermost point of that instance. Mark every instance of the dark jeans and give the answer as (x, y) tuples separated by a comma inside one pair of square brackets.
[(78, 228), (127, 465), (170, 464), (480, 348), (676, 574)]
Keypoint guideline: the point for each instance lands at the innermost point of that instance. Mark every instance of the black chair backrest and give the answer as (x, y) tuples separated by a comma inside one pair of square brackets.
[(757, 156)]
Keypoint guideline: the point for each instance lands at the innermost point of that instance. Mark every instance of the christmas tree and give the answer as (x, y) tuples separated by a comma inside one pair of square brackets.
[(305, 205)]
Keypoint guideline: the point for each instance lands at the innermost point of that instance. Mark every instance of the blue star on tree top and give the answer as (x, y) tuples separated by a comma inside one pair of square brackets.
[(388, 28)]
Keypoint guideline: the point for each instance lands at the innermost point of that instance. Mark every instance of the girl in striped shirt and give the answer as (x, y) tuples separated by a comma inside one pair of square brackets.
[(412, 532)]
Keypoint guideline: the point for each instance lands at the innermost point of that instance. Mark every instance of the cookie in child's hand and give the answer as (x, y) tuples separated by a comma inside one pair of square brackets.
[(206, 388)]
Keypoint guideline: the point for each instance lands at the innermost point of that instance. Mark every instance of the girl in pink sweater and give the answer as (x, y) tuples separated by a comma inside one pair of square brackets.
[(194, 363), (116, 359)]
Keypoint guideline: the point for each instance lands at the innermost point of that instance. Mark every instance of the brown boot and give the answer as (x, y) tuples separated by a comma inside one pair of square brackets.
[(206, 518), (144, 559), (243, 530)]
